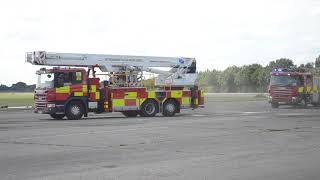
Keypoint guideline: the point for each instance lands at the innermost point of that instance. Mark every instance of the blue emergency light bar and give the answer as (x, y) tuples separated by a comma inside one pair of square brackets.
[(280, 70)]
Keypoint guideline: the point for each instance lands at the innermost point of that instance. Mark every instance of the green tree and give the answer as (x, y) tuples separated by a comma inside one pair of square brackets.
[(210, 80), (309, 65), (281, 63), (3, 87), (227, 79), (247, 78)]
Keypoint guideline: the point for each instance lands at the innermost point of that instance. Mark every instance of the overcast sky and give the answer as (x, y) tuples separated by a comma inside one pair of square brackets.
[(217, 33)]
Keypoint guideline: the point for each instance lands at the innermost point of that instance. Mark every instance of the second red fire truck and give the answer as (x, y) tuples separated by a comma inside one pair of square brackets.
[(293, 87)]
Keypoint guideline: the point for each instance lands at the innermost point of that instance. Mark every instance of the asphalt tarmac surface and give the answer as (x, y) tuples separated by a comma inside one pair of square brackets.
[(225, 140)]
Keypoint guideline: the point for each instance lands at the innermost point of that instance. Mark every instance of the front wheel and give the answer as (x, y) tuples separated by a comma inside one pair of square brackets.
[(74, 111), (274, 104), (57, 116)]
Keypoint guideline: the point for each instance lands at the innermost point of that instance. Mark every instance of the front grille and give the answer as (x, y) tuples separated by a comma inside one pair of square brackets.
[(40, 101), (282, 93)]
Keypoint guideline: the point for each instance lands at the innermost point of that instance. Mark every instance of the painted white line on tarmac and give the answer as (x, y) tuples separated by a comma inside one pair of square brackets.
[(257, 112), (198, 115)]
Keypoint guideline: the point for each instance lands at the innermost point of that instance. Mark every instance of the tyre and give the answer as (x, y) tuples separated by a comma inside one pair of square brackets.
[(74, 111), (130, 113), (57, 116), (169, 108), (274, 105), (149, 108)]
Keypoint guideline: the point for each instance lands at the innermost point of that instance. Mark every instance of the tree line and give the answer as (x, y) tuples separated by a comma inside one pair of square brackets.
[(246, 78), (17, 87)]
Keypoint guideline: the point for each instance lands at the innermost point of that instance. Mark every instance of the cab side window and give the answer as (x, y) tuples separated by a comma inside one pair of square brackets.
[(76, 77), (65, 79)]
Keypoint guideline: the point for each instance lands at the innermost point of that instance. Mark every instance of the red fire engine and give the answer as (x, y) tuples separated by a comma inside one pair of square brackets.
[(74, 92), (294, 87)]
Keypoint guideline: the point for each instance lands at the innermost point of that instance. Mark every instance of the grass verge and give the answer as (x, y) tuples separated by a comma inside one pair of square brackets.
[(16, 99)]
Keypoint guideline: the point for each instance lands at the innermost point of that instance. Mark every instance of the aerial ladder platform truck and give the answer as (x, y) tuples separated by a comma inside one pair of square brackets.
[(73, 88)]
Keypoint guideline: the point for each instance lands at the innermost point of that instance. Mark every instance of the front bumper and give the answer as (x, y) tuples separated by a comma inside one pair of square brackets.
[(50, 108), (285, 100)]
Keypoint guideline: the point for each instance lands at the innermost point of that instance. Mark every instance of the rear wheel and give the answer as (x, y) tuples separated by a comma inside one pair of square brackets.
[(74, 111), (169, 108), (274, 104), (57, 116), (130, 113), (149, 108)]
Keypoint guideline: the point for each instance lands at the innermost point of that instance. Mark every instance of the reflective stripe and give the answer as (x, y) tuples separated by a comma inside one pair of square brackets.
[(176, 94), (97, 95), (117, 102), (196, 101), (185, 100), (78, 93), (93, 88), (130, 95), (151, 94), (308, 88), (300, 90), (202, 93), (141, 100), (315, 89), (64, 89), (84, 88)]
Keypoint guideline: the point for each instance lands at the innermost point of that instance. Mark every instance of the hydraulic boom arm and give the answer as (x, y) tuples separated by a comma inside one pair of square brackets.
[(182, 70)]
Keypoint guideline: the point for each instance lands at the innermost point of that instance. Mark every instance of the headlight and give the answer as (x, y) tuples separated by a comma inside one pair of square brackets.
[(51, 105)]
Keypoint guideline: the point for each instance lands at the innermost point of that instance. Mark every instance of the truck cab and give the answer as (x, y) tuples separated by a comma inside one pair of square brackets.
[(289, 87), (55, 87)]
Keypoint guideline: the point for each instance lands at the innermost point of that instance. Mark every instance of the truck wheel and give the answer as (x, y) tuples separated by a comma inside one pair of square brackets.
[(74, 111), (169, 108), (57, 116), (130, 113), (149, 108), (274, 105)]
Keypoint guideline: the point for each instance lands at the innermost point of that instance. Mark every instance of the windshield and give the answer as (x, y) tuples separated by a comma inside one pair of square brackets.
[(286, 80), (45, 81)]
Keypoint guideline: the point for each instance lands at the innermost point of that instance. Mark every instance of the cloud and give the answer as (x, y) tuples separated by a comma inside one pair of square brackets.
[(217, 33)]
